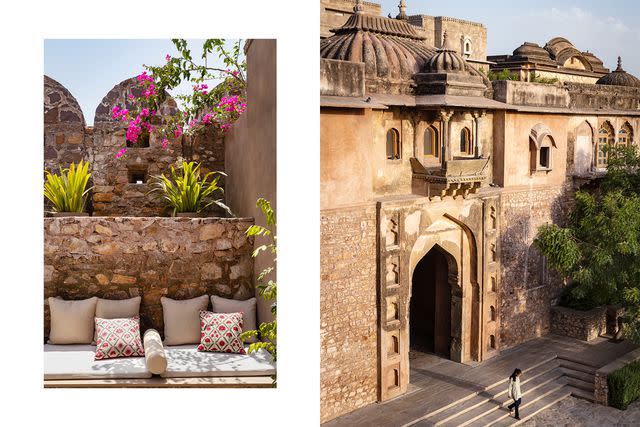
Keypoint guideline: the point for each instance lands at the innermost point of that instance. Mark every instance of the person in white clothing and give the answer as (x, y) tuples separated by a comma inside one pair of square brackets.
[(514, 391)]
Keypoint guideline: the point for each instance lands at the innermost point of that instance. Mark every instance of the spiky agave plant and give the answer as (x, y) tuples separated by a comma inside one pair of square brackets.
[(186, 191), (68, 190)]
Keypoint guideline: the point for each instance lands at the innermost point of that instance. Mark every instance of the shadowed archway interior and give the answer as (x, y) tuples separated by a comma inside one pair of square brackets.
[(430, 305)]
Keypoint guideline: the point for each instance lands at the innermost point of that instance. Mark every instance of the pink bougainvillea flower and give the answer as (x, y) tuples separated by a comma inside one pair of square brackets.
[(177, 132), (168, 57), (206, 119), (144, 112), (165, 141), (121, 153), (131, 96)]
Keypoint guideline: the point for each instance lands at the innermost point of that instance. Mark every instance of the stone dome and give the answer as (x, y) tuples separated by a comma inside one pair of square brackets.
[(390, 48), (528, 49), (619, 77), (447, 60)]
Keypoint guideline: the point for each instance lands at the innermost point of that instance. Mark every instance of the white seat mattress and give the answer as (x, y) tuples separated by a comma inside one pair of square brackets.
[(76, 362), (187, 361)]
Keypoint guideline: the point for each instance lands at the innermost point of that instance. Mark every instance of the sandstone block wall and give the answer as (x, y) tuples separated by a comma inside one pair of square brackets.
[(348, 327), (528, 285), (582, 325), (123, 257)]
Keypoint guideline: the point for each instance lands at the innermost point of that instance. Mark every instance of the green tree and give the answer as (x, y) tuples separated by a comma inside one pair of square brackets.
[(267, 287), (599, 249)]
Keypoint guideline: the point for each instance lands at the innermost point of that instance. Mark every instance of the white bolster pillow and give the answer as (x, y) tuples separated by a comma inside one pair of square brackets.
[(155, 358)]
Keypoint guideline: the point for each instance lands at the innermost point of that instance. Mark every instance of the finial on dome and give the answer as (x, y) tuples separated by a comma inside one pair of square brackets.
[(402, 7), (619, 64), (446, 42), (358, 8)]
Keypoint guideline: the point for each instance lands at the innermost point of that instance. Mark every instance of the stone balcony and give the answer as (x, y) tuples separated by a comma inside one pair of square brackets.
[(459, 177)]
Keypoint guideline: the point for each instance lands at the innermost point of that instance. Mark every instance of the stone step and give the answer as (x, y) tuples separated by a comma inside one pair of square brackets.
[(579, 361), (577, 383), (590, 378), (528, 402), (564, 363), (495, 409), (582, 394), (545, 365), (533, 409), (532, 381)]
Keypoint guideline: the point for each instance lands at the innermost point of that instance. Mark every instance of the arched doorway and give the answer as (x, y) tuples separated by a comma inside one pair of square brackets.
[(430, 305)]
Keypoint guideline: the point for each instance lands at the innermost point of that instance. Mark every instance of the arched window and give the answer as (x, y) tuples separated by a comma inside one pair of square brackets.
[(393, 144), (541, 145), (625, 135), (431, 142), (492, 342), (606, 139), (466, 146), (492, 313)]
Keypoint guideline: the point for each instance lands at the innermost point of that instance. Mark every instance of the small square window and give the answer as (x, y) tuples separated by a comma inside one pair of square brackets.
[(138, 175)]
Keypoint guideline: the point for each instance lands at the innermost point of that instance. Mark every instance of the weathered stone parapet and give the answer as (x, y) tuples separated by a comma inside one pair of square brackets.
[(123, 257), (601, 392), (582, 325)]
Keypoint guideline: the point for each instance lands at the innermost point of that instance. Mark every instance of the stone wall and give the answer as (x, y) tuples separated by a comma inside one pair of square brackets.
[(114, 181), (533, 94), (116, 191), (348, 328), (601, 392), (64, 127), (250, 152), (528, 286), (123, 257), (582, 325), (603, 96), (341, 78)]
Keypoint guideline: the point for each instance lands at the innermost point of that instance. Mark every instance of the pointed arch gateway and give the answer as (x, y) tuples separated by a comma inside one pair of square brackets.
[(429, 297)]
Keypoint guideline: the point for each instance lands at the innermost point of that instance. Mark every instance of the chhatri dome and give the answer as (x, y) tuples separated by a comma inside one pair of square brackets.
[(619, 77), (390, 48), (447, 59)]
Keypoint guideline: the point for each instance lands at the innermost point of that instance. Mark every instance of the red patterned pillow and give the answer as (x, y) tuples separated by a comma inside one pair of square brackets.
[(118, 338), (221, 332)]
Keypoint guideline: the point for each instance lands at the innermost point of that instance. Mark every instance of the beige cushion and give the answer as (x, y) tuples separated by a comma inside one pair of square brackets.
[(72, 321), (182, 319), (156, 360), (117, 309), (247, 308)]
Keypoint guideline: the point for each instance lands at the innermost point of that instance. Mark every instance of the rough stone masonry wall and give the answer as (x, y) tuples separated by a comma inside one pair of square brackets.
[(348, 326), (118, 258), (582, 325), (528, 287)]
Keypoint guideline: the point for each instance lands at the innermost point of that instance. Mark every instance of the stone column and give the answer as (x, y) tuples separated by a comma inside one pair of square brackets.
[(445, 154), (477, 115)]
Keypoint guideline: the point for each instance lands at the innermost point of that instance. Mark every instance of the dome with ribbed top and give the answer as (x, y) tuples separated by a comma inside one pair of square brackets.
[(619, 77), (391, 49), (447, 59)]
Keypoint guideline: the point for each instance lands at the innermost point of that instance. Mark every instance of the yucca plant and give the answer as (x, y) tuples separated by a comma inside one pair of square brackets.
[(186, 191), (68, 190)]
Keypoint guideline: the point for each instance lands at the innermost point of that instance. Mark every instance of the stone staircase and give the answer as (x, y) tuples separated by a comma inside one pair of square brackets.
[(543, 385)]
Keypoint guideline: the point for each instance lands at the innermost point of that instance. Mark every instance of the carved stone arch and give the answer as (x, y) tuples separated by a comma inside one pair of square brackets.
[(626, 126), (538, 134), (580, 150)]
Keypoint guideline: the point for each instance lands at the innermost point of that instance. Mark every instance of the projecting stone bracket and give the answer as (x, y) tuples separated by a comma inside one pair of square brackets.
[(460, 177)]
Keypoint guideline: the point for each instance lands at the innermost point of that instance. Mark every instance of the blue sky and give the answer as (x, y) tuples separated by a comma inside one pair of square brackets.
[(90, 68), (606, 28)]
